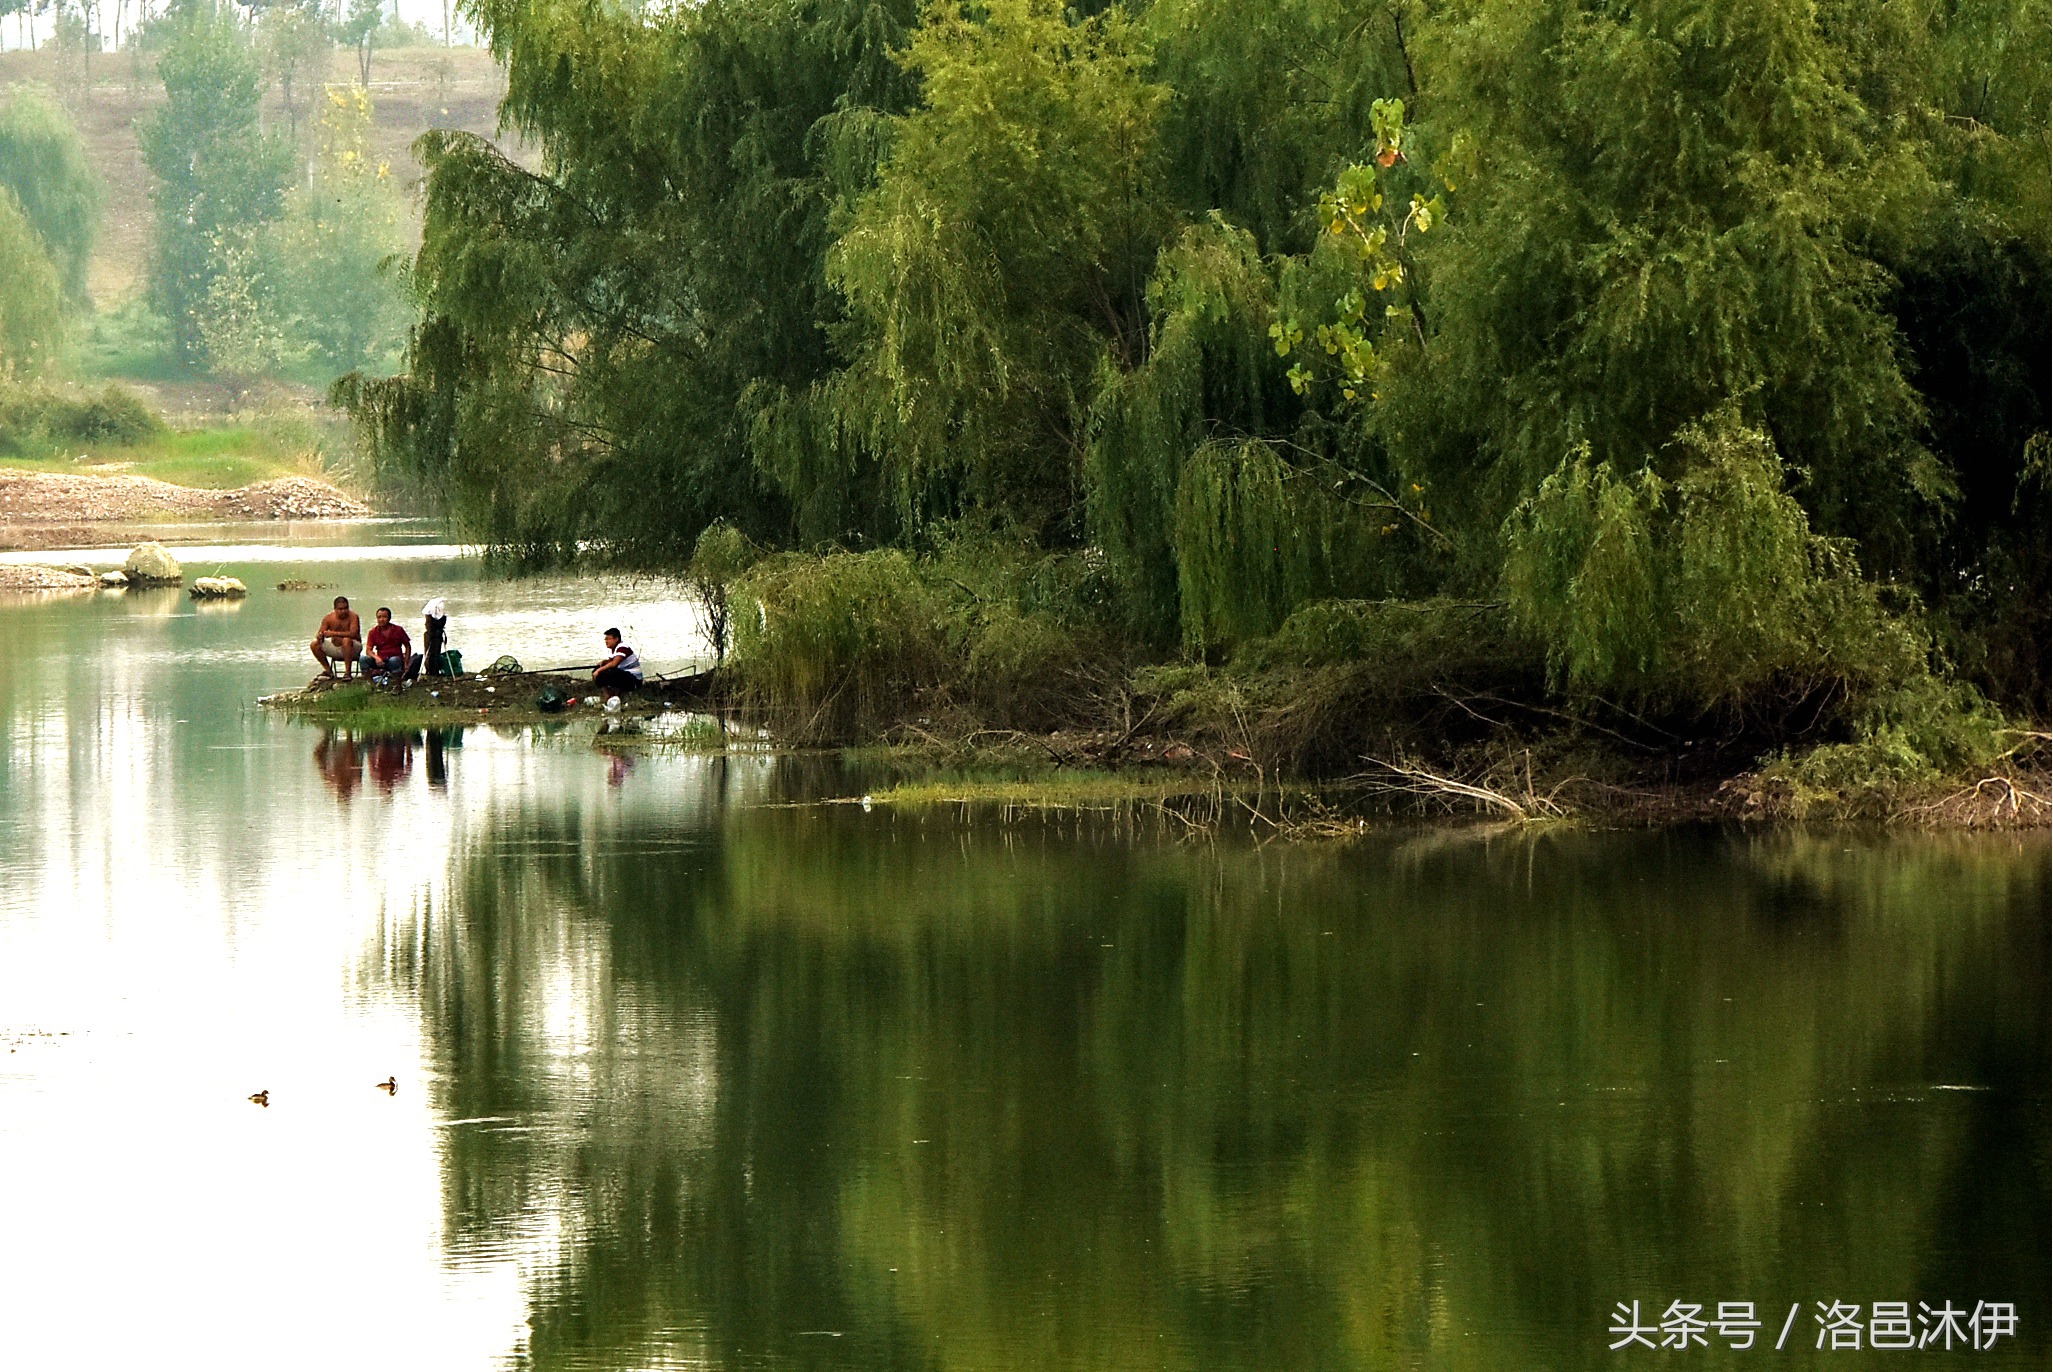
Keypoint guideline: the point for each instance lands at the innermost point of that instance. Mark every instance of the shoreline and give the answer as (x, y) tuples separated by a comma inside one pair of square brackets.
[(1199, 787)]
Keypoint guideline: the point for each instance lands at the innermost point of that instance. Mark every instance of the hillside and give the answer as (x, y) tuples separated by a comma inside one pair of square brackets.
[(413, 89)]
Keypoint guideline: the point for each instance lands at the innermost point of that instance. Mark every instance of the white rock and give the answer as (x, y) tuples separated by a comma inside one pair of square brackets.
[(150, 565), (116, 579)]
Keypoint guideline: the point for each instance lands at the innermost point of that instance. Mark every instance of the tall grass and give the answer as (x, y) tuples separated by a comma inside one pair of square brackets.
[(840, 647)]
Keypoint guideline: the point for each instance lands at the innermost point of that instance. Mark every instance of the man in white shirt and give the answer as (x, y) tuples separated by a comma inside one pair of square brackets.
[(621, 672)]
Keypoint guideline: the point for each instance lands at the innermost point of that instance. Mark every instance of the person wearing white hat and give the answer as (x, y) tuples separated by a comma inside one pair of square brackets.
[(433, 631)]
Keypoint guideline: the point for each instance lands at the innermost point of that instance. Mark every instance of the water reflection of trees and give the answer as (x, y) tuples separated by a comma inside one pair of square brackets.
[(985, 1098)]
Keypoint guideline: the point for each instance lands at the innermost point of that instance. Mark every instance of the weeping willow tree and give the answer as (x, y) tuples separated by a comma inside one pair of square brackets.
[(31, 294), (1701, 590), (996, 264), (596, 335), (44, 162)]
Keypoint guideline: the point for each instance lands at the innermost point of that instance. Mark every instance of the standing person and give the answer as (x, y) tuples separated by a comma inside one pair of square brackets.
[(339, 639), (434, 632), (621, 672), (390, 651), (434, 635)]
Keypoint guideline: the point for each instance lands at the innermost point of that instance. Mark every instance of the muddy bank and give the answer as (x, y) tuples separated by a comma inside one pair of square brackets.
[(1205, 784)]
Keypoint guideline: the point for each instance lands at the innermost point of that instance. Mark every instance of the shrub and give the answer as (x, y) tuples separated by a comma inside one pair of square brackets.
[(1027, 670), (37, 418), (1340, 679), (837, 648), (1699, 592), (722, 556)]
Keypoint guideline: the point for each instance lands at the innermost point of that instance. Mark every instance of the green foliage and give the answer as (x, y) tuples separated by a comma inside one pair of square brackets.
[(838, 647), (1678, 322), (360, 28), (1916, 735), (1367, 227), (1256, 537), (35, 418), (331, 251), (1343, 679), (1399, 635), (1271, 101), (1210, 300), (43, 160), (1001, 255), (295, 38), (31, 294), (1699, 592), (237, 321), (597, 340), (219, 175), (723, 556)]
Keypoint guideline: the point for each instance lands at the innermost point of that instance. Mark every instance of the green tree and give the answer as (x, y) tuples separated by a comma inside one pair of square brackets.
[(43, 160), (217, 172), (295, 39), (600, 338), (359, 29), (331, 251), (1315, 299), (1000, 260), (31, 294)]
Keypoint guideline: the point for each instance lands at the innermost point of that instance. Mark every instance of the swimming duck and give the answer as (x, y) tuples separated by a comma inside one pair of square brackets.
[(390, 1086), (262, 1098)]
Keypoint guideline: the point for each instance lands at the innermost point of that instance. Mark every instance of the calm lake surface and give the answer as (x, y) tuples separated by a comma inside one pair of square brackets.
[(694, 1074)]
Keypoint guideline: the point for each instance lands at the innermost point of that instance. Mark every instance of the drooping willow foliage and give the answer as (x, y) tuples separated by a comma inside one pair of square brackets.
[(45, 163), (1679, 327)]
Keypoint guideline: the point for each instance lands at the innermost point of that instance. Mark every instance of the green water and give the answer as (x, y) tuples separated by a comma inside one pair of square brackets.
[(695, 1074)]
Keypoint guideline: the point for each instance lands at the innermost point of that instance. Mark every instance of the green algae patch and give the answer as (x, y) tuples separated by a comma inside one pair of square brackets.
[(1060, 790)]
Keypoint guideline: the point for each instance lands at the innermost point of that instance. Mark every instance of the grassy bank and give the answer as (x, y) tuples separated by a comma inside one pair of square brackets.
[(987, 677), (217, 459), (514, 698), (114, 430), (980, 656)]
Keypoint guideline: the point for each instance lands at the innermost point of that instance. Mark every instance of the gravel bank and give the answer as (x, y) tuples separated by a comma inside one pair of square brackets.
[(44, 579), (31, 500)]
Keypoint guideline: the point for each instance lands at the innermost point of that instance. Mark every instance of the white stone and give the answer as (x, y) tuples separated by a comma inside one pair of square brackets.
[(150, 565)]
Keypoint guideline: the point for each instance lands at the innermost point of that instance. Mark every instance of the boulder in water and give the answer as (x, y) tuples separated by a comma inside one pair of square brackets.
[(114, 580), (218, 588), (150, 565)]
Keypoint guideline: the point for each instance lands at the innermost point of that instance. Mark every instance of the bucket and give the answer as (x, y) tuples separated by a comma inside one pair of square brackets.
[(452, 663)]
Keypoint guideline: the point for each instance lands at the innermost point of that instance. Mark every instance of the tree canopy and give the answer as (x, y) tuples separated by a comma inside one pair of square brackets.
[(219, 174), (44, 162), (1608, 311)]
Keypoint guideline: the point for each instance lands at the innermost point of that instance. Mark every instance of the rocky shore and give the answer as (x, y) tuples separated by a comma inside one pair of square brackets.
[(52, 509), (41, 510)]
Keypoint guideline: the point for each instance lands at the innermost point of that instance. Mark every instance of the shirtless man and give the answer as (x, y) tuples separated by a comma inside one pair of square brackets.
[(339, 639)]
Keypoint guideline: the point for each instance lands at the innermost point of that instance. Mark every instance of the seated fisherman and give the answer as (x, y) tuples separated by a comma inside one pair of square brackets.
[(619, 673), (339, 639), (390, 651)]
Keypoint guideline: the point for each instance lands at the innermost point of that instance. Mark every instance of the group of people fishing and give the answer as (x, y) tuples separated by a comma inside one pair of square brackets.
[(386, 654)]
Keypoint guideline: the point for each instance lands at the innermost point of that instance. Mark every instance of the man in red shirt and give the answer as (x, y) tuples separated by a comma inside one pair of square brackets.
[(388, 652)]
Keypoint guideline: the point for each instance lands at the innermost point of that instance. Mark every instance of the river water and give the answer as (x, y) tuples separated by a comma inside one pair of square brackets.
[(693, 1073)]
